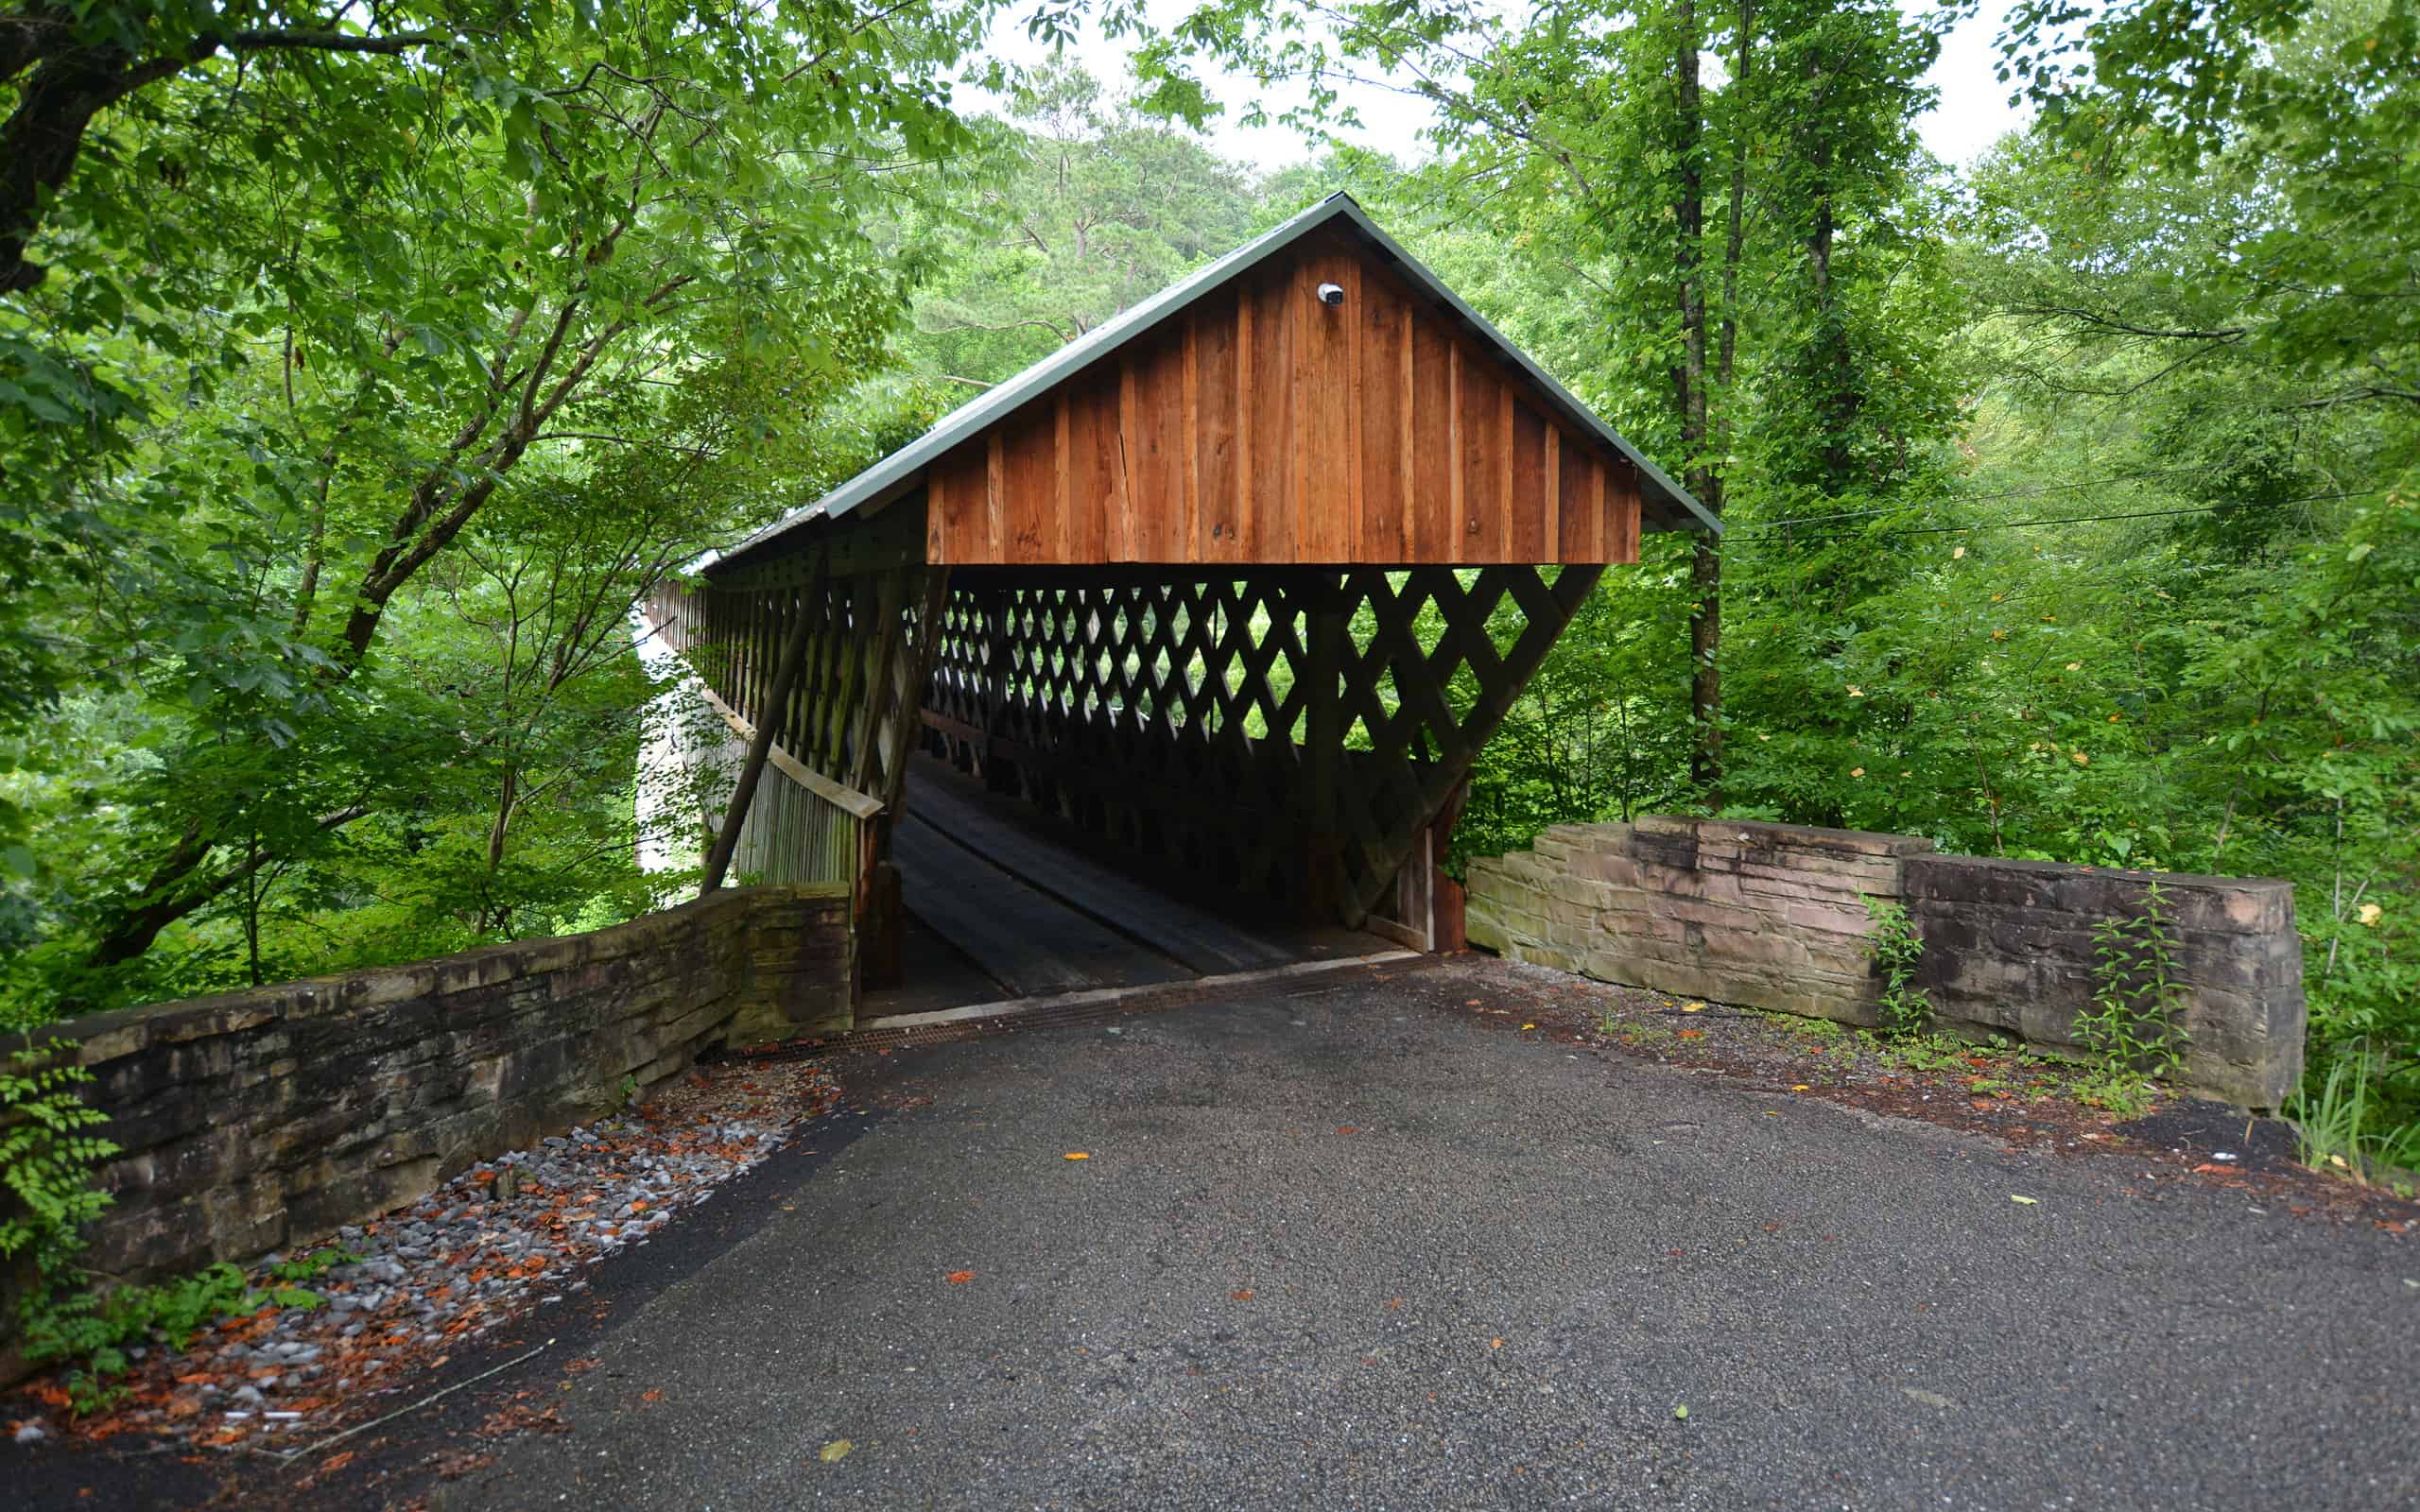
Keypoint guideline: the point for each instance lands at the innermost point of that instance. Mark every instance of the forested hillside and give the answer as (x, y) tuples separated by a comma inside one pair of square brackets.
[(350, 396)]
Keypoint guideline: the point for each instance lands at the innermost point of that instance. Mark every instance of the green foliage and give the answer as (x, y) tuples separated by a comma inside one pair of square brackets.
[(47, 1162), (368, 391), (2337, 1129), (2131, 1024), (1904, 1012)]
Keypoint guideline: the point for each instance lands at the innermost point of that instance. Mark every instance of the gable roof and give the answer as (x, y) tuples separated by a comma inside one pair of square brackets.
[(1665, 504)]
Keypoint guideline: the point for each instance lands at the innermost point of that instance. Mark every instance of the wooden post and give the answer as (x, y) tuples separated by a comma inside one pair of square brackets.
[(1328, 627)]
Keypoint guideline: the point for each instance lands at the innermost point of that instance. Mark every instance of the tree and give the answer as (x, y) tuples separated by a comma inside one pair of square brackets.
[(388, 316), (1681, 205)]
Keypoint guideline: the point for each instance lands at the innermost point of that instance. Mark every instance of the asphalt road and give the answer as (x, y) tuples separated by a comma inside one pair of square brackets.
[(1497, 1290)]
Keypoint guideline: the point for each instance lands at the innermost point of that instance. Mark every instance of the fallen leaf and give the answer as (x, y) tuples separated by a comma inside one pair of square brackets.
[(1692, 1008), (1529, 1026), (959, 1277), (1802, 1087), (1240, 1297), (1348, 1128), (2031, 1202), (1693, 1034), (653, 1394), (1682, 1412), (835, 1451), (1077, 1155), (1394, 1305), (1495, 1344)]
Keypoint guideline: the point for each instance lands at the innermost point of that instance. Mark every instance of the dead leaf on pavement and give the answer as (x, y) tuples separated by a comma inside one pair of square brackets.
[(959, 1277), (837, 1450), (336, 1462), (1240, 1297), (1077, 1155)]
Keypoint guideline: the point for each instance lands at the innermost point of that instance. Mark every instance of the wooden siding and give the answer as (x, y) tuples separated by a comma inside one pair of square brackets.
[(1263, 426)]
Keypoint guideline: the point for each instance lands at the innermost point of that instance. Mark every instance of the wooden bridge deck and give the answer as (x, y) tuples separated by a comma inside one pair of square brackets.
[(1006, 902)]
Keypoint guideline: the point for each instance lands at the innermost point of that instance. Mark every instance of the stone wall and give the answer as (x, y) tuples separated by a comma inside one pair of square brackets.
[(255, 1120), (1774, 916)]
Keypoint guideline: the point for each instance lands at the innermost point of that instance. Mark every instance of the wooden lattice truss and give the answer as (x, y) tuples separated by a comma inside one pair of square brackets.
[(1289, 733), (850, 711)]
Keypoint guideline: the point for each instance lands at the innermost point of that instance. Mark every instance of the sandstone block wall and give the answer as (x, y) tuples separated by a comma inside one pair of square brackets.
[(253, 1120), (1773, 916), (2009, 947)]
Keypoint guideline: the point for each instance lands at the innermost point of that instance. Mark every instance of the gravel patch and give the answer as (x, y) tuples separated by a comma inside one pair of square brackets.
[(506, 1238)]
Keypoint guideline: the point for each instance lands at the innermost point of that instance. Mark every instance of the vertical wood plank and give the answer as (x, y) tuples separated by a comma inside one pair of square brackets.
[(1188, 536), (1622, 513), (1436, 487), (1458, 511), (1270, 509), (1552, 446), (1507, 529), (1094, 489), (1384, 352), (1322, 410), (1126, 526), (1606, 537), (1063, 516), (1529, 506), (1578, 536), (1220, 334), (1155, 455), (994, 497), (1029, 487), (1481, 443)]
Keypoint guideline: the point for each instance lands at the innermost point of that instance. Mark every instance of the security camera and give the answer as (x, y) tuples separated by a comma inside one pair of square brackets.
[(1331, 294)]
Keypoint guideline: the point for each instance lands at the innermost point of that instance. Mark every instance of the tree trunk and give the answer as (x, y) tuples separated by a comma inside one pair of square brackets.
[(1689, 392)]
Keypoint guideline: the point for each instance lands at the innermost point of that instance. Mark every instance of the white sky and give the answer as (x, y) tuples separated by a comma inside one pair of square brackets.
[(1972, 114)]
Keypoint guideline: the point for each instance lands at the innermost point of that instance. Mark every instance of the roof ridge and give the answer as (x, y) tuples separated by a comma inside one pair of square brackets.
[(894, 474)]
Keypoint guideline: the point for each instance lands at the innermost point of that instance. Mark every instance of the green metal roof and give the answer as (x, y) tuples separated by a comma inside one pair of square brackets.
[(1665, 505)]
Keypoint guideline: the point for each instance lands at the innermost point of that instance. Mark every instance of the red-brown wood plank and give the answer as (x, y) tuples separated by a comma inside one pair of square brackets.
[(1525, 539), (1622, 512), (1435, 476), (1029, 485), (1580, 482), (1217, 441), (1479, 416), (1323, 404), (957, 521), (1095, 501), (1383, 523), (1155, 455), (1268, 527)]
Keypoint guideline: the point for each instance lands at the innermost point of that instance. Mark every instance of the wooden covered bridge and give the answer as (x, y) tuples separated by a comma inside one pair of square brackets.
[(1171, 655)]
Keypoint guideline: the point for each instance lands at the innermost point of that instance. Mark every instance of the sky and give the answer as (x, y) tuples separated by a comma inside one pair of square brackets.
[(1973, 112)]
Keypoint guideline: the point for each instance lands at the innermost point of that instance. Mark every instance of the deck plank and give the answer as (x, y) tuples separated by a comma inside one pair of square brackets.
[(1201, 939), (1021, 936)]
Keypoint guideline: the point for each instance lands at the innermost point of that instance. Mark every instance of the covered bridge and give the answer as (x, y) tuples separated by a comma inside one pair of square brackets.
[(1191, 629)]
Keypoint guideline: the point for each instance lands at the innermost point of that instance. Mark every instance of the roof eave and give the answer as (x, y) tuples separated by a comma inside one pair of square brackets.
[(1665, 505)]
